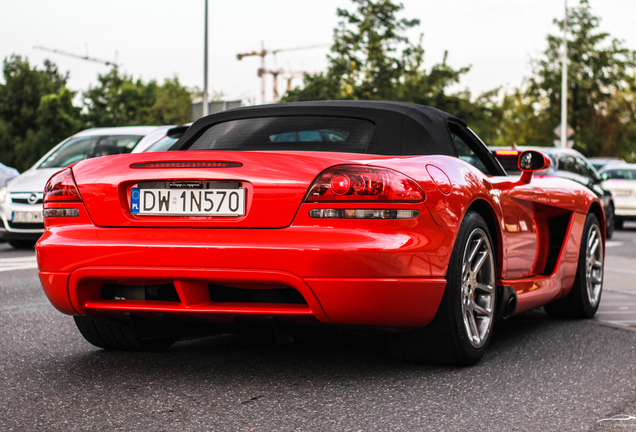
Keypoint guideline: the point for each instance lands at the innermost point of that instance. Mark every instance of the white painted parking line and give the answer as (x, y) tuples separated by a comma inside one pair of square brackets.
[(21, 263), (617, 270), (622, 323), (618, 304), (613, 243), (618, 312)]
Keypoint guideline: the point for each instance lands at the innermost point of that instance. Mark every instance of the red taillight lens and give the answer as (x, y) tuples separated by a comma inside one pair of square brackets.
[(61, 187), (362, 183), (340, 184)]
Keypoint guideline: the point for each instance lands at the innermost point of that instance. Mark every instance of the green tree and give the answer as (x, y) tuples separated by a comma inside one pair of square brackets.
[(172, 103), (118, 100), (600, 69), (522, 121), (57, 119), (371, 58), (36, 111)]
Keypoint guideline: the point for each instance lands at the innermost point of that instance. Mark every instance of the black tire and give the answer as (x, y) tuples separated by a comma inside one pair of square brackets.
[(585, 295), (461, 330), (22, 244), (618, 223), (610, 222), (114, 336)]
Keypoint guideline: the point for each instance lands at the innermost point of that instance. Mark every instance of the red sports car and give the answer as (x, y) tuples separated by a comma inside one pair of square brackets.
[(388, 216)]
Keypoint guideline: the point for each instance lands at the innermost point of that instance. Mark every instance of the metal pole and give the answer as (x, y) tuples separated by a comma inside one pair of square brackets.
[(263, 71), (205, 63), (564, 82)]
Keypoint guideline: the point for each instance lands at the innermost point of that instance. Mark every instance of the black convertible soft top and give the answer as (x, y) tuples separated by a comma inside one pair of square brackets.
[(400, 128)]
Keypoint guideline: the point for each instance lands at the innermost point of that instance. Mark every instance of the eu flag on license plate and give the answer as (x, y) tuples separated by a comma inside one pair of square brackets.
[(134, 200)]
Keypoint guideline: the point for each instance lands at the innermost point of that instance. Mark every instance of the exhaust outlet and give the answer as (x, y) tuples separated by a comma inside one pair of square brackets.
[(506, 303)]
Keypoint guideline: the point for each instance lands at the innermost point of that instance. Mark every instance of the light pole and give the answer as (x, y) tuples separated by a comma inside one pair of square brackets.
[(205, 62), (564, 81)]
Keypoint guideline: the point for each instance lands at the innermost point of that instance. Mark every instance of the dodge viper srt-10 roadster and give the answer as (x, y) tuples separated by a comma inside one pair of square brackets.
[(380, 216)]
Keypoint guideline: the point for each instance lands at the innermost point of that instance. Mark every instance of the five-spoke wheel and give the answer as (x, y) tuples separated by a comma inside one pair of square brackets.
[(478, 287)]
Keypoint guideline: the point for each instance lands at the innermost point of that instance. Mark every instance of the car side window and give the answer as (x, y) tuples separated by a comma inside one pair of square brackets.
[(566, 163), (469, 151), (586, 169)]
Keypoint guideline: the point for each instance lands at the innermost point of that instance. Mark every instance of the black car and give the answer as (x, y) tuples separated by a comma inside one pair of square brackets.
[(566, 163)]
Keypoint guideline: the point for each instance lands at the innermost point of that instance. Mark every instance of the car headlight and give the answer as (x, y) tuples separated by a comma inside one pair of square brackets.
[(3, 193)]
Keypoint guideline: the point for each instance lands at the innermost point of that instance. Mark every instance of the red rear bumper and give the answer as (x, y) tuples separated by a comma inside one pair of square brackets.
[(346, 275)]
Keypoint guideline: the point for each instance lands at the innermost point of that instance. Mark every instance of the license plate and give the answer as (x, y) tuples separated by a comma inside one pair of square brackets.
[(197, 202), (27, 217)]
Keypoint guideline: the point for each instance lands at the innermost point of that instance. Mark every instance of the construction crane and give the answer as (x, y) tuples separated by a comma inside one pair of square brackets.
[(262, 71), (78, 56)]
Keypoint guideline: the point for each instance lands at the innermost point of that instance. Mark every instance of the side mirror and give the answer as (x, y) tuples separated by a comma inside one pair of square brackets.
[(531, 161), (604, 176)]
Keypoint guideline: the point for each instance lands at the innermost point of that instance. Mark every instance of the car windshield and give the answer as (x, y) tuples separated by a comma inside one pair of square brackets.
[(163, 144), (620, 174), (86, 147), (305, 133)]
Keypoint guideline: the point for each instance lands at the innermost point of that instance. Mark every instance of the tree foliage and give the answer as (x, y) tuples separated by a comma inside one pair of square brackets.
[(119, 100), (36, 111), (372, 59), (600, 83)]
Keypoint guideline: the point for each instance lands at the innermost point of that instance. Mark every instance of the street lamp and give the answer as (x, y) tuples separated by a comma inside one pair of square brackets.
[(564, 81), (205, 62)]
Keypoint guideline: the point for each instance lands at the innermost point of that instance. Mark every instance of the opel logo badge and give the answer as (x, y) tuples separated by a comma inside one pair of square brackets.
[(33, 198)]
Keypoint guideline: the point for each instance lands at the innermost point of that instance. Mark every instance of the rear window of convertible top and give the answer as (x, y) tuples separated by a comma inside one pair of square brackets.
[(302, 133)]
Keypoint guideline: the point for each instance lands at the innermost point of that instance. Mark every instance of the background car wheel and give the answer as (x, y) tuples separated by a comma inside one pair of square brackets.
[(585, 296), (618, 223), (22, 244), (113, 336), (460, 332), (611, 223)]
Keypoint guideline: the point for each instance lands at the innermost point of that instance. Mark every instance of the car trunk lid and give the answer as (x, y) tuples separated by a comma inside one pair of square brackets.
[(272, 186)]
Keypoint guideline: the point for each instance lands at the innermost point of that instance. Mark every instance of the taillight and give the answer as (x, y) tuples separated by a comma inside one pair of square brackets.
[(362, 183), (61, 187), (507, 152)]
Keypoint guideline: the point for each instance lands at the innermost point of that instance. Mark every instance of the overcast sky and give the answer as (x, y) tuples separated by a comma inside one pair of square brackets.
[(158, 39)]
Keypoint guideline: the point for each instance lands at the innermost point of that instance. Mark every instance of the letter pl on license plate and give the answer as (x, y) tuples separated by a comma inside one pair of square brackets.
[(199, 202)]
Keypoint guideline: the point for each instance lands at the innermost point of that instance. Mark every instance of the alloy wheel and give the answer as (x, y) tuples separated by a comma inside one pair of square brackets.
[(478, 288), (594, 265)]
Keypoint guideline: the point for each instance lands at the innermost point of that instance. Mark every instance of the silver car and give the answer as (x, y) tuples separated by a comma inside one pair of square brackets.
[(21, 198)]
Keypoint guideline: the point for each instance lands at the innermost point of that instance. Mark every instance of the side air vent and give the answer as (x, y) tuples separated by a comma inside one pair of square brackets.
[(558, 227)]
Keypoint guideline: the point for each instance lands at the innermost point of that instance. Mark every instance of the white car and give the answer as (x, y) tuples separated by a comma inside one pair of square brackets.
[(21, 198), (166, 141), (602, 162), (621, 181), (7, 173)]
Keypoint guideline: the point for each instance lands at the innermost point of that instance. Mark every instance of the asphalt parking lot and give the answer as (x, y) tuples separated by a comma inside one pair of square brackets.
[(618, 305), (538, 374)]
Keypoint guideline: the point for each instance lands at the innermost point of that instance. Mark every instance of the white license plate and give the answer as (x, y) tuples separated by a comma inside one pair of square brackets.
[(27, 217), (189, 202)]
